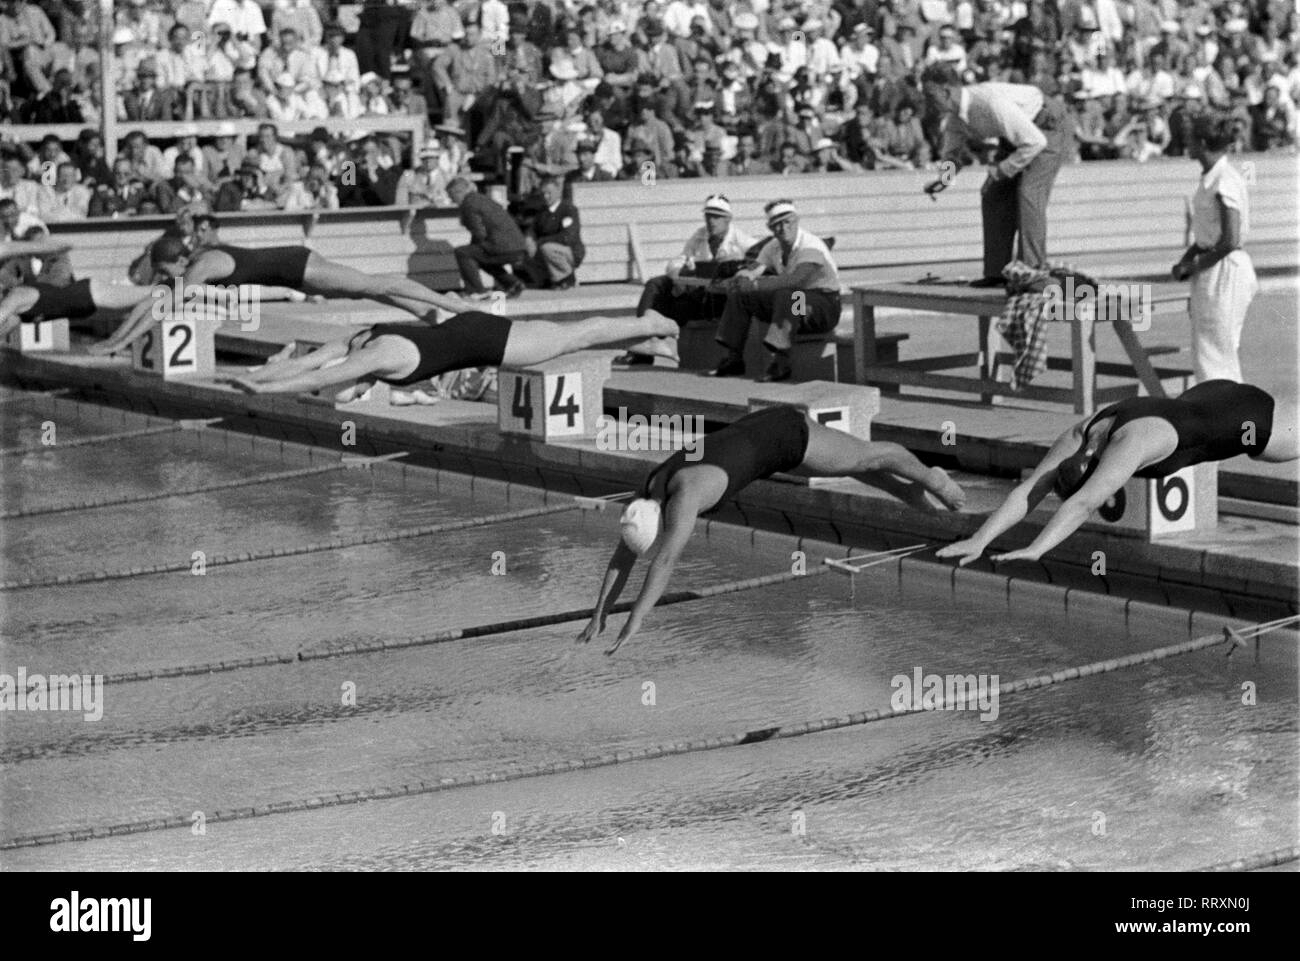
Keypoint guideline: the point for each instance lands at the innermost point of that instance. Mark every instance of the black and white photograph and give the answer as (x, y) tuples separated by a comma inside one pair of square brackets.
[(650, 437)]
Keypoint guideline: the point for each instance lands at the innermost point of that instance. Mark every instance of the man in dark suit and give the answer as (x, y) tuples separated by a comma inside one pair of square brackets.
[(146, 101), (587, 172), (556, 249), (496, 242)]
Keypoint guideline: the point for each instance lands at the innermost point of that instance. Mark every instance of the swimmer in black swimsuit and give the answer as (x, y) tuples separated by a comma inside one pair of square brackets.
[(1141, 437), (81, 298), (404, 354), (766, 442), (295, 267)]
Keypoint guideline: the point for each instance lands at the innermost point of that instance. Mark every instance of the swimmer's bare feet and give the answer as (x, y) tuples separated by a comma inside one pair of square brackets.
[(284, 353), (409, 398), (946, 489), (657, 347), (661, 326)]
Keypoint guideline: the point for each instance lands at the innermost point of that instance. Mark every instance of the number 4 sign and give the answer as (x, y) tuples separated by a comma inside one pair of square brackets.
[(558, 399)]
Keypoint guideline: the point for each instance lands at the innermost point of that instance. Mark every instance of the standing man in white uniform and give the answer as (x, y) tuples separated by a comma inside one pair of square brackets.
[(1222, 275)]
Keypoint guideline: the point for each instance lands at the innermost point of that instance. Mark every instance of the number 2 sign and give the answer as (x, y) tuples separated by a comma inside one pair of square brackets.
[(174, 348)]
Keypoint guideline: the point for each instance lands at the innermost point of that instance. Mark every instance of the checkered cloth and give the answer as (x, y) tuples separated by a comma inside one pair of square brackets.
[(1023, 323)]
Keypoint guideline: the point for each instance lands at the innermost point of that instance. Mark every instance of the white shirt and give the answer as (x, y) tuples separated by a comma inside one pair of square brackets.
[(677, 18), (345, 62), (856, 62), (733, 247), (609, 152), (807, 249), (1222, 182), (243, 17), (494, 20)]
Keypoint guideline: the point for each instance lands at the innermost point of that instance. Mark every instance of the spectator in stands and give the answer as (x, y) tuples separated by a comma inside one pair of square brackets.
[(714, 251), (652, 131), (403, 101), (146, 101), (185, 188), (1274, 121), (65, 199), (181, 64), (246, 191), (120, 197), (496, 243), (58, 105), (287, 104), (338, 102), (16, 186), (222, 158), (244, 17), (1188, 105), (947, 49), (287, 58), (245, 99), (48, 156), (90, 159), (619, 62), (314, 192), (277, 161), (587, 171), (902, 140), (747, 162), (468, 71), (608, 145), (827, 158), (28, 36), (299, 16), (803, 297), (333, 57), (555, 250), (370, 180), (789, 161), (146, 159), (76, 53), (426, 185)]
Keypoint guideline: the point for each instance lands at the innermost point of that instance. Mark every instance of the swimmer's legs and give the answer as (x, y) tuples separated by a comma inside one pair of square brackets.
[(534, 341), (336, 280), (833, 453), (1284, 442), (18, 300)]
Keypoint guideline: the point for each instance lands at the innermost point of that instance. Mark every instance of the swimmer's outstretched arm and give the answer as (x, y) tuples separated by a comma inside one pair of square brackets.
[(1120, 460), (313, 360), (136, 323), (1017, 505), (616, 575), (365, 363), (679, 523)]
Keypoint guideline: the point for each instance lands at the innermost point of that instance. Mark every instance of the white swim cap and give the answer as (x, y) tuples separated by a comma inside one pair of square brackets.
[(640, 525)]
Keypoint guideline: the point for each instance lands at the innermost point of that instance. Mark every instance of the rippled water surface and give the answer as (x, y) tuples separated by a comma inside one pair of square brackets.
[(1159, 767)]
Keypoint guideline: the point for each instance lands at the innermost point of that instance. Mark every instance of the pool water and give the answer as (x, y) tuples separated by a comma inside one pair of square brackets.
[(1156, 767)]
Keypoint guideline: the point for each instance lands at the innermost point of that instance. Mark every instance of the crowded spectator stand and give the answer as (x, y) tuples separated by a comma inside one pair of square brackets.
[(515, 93)]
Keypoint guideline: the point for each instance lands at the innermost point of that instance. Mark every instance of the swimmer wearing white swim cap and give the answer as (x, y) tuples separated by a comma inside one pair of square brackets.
[(769, 441)]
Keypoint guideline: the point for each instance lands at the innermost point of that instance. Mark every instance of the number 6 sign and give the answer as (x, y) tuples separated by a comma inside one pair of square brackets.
[(1183, 501)]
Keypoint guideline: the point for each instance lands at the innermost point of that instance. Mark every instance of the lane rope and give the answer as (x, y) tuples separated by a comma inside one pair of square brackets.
[(334, 544), (450, 634), (68, 506), (109, 438), (651, 752), (1255, 862)]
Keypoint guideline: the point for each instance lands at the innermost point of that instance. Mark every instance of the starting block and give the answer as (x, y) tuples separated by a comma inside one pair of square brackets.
[(176, 347), (560, 399), (41, 335), (846, 407), (1185, 501)]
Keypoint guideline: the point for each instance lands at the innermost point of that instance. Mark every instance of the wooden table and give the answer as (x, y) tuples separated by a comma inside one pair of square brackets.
[(986, 304)]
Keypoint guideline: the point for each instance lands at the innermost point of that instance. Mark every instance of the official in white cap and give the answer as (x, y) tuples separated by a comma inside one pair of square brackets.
[(715, 250), (801, 297)]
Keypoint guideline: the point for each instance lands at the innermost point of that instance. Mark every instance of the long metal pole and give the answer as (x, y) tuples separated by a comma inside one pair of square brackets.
[(107, 81)]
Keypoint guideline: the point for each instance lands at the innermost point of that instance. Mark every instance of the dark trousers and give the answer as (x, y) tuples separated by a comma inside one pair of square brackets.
[(1019, 205), (786, 312), (470, 257), (693, 303)]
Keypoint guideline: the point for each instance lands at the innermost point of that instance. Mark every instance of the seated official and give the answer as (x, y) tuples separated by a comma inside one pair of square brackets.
[(802, 298), (716, 250), (555, 249)]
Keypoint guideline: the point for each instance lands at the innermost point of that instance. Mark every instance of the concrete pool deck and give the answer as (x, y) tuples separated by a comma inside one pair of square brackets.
[(1248, 567)]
